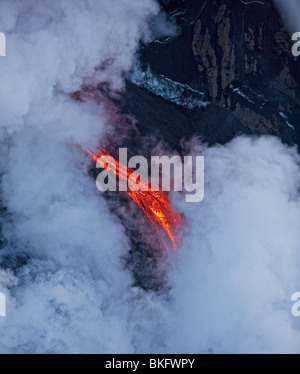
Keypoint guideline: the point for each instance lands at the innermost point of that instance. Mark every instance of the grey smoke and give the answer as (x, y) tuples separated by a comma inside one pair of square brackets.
[(234, 277), (69, 297)]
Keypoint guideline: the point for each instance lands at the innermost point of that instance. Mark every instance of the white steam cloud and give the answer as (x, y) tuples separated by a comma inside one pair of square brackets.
[(232, 279), (239, 266), (290, 10)]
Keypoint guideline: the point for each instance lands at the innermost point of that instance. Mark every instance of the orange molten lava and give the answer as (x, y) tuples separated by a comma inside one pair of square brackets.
[(155, 204)]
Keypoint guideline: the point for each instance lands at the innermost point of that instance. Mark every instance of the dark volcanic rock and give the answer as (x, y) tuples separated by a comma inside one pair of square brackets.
[(240, 56), (175, 58), (172, 123), (244, 55)]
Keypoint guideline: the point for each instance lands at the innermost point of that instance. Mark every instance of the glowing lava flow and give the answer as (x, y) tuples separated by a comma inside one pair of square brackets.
[(155, 204)]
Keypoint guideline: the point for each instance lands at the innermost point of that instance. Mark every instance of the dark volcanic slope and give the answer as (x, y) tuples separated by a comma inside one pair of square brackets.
[(240, 57), (172, 123)]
